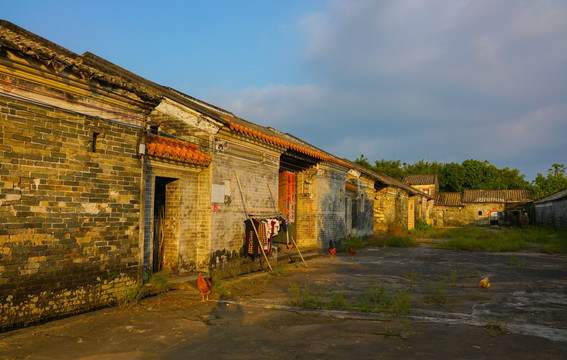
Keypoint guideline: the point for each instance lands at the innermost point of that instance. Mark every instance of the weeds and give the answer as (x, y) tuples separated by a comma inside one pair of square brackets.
[(401, 241), (304, 297), (131, 296), (411, 277), (402, 332), (480, 239), (439, 295), (235, 268), (495, 328), (337, 302), (519, 263), (375, 300), (280, 270), (400, 303), (353, 243), (159, 283)]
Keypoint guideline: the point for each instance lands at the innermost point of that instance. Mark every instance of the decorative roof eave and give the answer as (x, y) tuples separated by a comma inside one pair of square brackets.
[(176, 150), (351, 187), (283, 143), (59, 59)]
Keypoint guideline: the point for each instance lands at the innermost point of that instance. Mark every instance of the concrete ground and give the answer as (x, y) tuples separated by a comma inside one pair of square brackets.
[(523, 315)]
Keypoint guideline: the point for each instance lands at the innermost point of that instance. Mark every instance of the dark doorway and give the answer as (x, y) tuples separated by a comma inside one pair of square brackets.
[(158, 244)]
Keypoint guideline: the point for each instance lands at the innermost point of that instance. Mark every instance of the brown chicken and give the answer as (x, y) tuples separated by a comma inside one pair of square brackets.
[(484, 283), (204, 287), (332, 249), (352, 252)]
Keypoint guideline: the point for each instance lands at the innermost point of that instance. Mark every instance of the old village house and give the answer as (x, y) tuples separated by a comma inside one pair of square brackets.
[(107, 178)]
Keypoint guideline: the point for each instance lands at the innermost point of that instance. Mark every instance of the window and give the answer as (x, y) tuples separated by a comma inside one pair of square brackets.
[(480, 213)]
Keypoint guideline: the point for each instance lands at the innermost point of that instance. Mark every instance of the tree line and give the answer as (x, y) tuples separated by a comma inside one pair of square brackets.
[(472, 174)]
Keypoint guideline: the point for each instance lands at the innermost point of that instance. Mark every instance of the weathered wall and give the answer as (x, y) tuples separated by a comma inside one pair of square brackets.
[(255, 174), (552, 213), (471, 214), (188, 216), (331, 199), (365, 217), (390, 208), (69, 238)]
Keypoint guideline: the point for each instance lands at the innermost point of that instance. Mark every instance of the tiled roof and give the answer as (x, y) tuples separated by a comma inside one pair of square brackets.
[(558, 195), (274, 140), (449, 199), (500, 196), (420, 179), (385, 179), (177, 150), (351, 187)]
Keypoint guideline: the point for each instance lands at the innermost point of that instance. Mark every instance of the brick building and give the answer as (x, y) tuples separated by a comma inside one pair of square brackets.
[(428, 184), (107, 177), (483, 208), (70, 184)]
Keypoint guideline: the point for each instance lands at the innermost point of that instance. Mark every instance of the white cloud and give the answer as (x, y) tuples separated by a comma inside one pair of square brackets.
[(435, 80), (272, 105)]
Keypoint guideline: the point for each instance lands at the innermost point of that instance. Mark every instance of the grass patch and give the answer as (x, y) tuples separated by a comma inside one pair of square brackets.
[(517, 262), (154, 284), (482, 239), (353, 243), (375, 300), (305, 297), (495, 328), (439, 294), (403, 331), (411, 277), (402, 241), (337, 302)]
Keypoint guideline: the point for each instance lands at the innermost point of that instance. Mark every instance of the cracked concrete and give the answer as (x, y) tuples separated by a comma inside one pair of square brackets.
[(523, 315)]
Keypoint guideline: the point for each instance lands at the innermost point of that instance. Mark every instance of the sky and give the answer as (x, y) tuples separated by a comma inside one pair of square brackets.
[(409, 80)]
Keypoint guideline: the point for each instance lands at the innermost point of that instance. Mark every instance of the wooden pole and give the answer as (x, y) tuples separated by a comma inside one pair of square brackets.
[(252, 222), (276, 209)]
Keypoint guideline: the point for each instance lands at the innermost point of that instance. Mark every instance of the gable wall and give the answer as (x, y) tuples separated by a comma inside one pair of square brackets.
[(390, 208), (70, 217)]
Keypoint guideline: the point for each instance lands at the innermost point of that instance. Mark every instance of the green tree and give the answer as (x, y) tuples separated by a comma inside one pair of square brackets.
[(470, 174), (554, 182)]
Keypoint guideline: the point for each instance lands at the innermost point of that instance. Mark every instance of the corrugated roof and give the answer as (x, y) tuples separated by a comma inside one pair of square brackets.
[(497, 196), (420, 179), (177, 150), (449, 199), (558, 195)]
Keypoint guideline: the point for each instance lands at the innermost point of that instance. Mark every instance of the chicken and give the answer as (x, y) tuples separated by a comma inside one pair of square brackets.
[(352, 252), (484, 283), (204, 286), (332, 250)]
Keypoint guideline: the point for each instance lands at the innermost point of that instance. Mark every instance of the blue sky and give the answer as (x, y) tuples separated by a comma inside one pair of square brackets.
[(439, 80)]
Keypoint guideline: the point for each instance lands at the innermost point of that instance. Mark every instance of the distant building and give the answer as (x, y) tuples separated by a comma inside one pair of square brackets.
[(429, 185), (483, 208), (552, 210)]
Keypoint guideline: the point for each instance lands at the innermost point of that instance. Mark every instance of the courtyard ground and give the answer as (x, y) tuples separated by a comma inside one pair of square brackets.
[(385, 303)]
